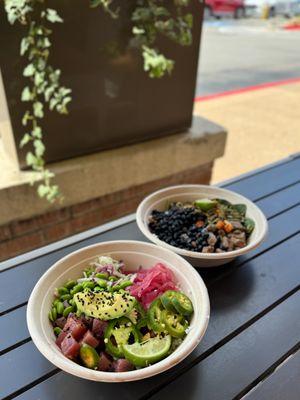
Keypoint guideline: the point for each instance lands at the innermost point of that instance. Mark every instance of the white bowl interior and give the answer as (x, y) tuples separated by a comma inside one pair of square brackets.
[(189, 193), (133, 254)]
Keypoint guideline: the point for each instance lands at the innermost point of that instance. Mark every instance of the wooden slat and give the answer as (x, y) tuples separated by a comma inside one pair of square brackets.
[(280, 201), (258, 185), (235, 300), (13, 328), (220, 376), (20, 367), (283, 384), (236, 364)]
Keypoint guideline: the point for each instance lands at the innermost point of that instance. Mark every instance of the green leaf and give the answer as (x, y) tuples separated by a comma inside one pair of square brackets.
[(138, 31), (48, 92), (46, 42), (26, 118), (24, 46), (25, 139), (30, 159), (249, 225), (29, 70), (240, 208), (156, 64), (39, 147), (53, 103), (38, 109), (37, 132), (52, 16), (43, 190), (26, 94), (39, 78)]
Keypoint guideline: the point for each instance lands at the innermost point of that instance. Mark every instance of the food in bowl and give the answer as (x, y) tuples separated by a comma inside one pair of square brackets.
[(116, 321), (205, 225)]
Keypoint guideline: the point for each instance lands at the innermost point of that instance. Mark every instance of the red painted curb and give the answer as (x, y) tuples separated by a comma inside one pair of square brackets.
[(247, 89)]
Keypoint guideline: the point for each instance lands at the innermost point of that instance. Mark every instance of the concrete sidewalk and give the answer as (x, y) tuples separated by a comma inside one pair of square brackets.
[(263, 126)]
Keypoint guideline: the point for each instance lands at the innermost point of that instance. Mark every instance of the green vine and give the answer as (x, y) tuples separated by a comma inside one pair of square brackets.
[(150, 19)]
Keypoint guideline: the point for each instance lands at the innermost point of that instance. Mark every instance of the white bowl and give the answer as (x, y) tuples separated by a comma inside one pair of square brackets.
[(134, 254), (159, 200)]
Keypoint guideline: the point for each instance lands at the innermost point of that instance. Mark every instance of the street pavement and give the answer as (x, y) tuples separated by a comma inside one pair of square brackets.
[(241, 53)]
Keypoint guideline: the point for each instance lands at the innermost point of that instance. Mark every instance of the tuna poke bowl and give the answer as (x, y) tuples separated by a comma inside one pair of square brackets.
[(208, 225), (118, 311)]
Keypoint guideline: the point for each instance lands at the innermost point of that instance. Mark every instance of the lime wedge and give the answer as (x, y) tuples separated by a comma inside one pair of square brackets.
[(149, 352)]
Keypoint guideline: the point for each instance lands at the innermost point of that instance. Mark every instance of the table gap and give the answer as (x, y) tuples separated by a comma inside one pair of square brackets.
[(267, 372)]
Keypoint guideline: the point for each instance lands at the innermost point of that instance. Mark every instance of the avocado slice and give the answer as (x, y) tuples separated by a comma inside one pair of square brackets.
[(205, 204), (104, 305)]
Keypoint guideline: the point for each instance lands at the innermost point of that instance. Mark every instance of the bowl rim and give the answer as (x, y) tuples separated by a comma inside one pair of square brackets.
[(60, 361), (192, 254)]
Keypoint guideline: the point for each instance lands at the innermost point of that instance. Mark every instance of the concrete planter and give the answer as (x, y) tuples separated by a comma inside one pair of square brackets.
[(114, 101)]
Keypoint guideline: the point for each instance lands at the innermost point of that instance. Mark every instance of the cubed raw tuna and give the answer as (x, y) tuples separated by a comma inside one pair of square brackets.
[(122, 365), (76, 327), (60, 338), (88, 321), (105, 362), (90, 339), (60, 322), (70, 347), (99, 327)]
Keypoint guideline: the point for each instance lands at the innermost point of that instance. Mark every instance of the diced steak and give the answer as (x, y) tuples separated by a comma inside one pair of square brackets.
[(99, 327), (122, 365), (90, 339), (70, 347)]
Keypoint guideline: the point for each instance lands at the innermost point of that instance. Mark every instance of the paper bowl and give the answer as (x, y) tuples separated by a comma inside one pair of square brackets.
[(188, 193), (134, 254)]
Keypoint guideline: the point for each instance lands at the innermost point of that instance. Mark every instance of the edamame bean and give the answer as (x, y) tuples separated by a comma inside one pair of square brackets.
[(98, 289), (57, 330), (102, 283), (112, 278), (125, 284), (50, 316), (76, 289), (115, 288), (54, 313), (102, 275), (88, 285), (67, 311), (70, 284), (55, 302), (65, 297), (71, 302), (59, 308), (62, 290)]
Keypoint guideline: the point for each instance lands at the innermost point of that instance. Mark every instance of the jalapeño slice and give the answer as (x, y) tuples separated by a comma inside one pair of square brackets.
[(89, 356), (154, 316), (175, 324), (178, 302), (119, 332)]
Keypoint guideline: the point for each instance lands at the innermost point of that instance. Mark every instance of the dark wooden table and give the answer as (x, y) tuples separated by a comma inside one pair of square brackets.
[(251, 347)]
